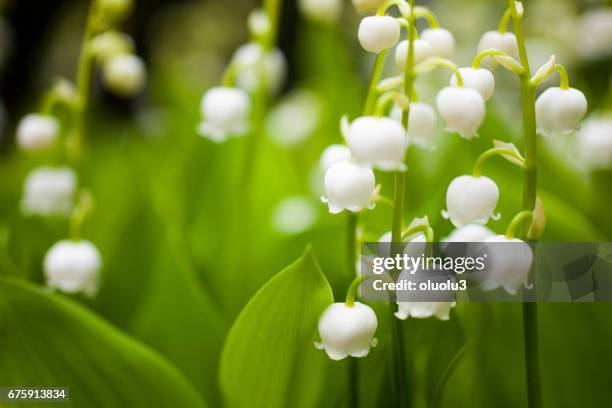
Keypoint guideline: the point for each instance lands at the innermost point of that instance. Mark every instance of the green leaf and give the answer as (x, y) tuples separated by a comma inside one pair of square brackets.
[(269, 359), (47, 340)]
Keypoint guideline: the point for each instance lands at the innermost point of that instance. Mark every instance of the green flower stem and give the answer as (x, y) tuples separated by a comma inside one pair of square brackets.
[(351, 293), (424, 228), (517, 220), (530, 311), (487, 53), (563, 76), (79, 214), (432, 63), (427, 14), (503, 23), (351, 245), (496, 151), (372, 95)]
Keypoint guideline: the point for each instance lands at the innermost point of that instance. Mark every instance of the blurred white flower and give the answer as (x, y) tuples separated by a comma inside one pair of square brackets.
[(37, 132), (258, 23), (463, 110), (494, 40), (508, 263), (377, 33), (471, 200), (73, 267), (349, 186), (347, 330), (421, 123), (366, 6), (559, 111), (124, 74), (225, 112), (594, 33), (595, 143), (255, 65), (379, 142), (294, 215), (422, 51), (333, 154), (479, 79), (469, 233), (49, 191), (441, 41), (326, 11), (294, 119), (424, 310)]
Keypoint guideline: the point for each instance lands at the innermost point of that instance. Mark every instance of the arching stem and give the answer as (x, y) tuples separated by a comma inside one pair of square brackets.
[(516, 221), (495, 151)]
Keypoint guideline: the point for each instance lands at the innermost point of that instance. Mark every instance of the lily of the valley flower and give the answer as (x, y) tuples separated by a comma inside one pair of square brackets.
[(326, 11), (379, 142), (73, 267), (349, 186), (560, 111), (469, 233), (377, 33), (424, 310), (463, 110), (225, 112), (421, 123), (441, 41), (124, 74), (255, 65), (333, 154), (347, 330), (508, 263), (49, 191), (422, 51), (37, 132), (471, 200), (479, 79), (494, 40), (595, 143)]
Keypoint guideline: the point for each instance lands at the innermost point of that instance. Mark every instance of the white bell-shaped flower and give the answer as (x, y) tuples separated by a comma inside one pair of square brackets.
[(595, 143), (349, 186), (124, 74), (254, 64), (441, 41), (225, 112), (594, 29), (508, 264), (421, 308), (367, 6), (333, 154), (480, 79), (37, 132), (281, 124), (49, 191), (73, 267), (379, 142), (471, 200), (494, 40), (559, 111), (325, 11), (377, 33), (422, 123), (347, 330), (463, 110), (469, 233), (422, 51), (424, 310)]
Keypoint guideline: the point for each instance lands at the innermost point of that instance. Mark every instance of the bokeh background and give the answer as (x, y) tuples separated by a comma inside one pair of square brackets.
[(179, 267)]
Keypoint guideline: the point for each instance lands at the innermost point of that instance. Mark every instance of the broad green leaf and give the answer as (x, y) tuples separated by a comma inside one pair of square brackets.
[(47, 340), (269, 359)]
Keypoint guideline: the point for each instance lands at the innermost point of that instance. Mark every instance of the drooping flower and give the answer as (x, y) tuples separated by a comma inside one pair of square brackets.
[(333, 154), (494, 40), (379, 142), (508, 263), (366, 6), (422, 124), (424, 310), (479, 79), (73, 267), (349, 186), (471, 200), (422, 51), (37, 132), (281, 124), (426, 304), (49, 191), (124, 74), (559, 111), (225, 112), (347, 330), (469, 233), (325, 11), (254, 65), (595, 143), (377, 33), (463, 110), (594, 32), (441, 41)]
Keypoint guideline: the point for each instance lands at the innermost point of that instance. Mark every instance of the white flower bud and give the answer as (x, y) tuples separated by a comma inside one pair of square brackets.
[(508, 263), (377, 33), (463, 110), (424, 310), (494, 40), (594, 32), (37, 132), (349, 186), (422, 51), (560, 110), (595, 143), (471, 200), (441, 41), (225, 112), (73, 267), (124, 74), (254, 65), (334, 154), (325, 11), (347, 330), (379, 142), (469, 233), (49, 191), (366, 6), (480, 79)]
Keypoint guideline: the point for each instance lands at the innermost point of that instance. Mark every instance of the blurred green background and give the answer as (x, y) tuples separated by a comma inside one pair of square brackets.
[(179, 268)]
